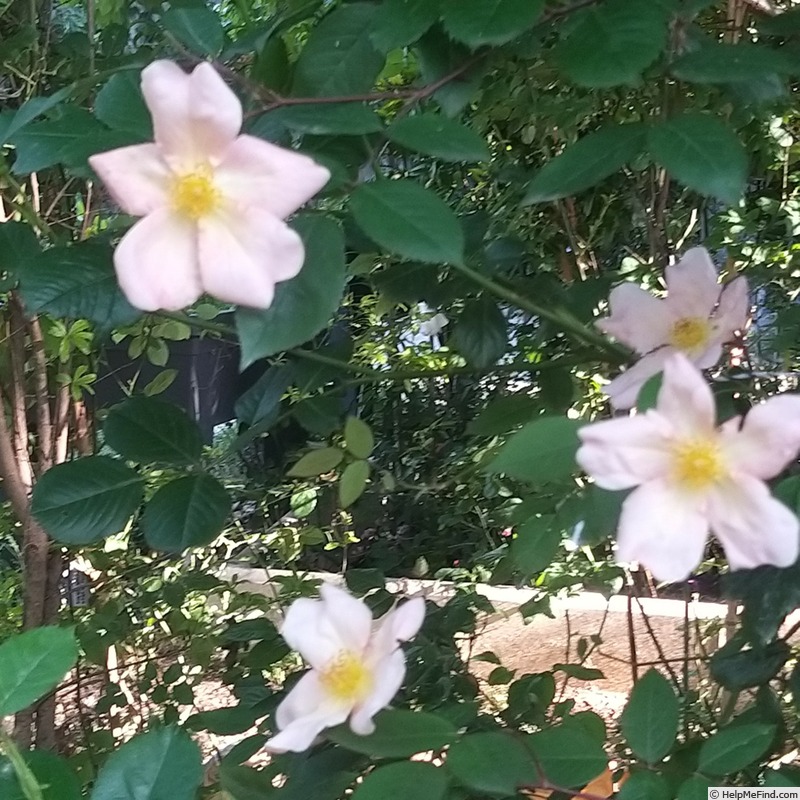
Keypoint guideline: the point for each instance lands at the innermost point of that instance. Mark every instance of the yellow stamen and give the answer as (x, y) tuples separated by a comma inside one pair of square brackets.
[(698, 464), (346, 678), (194, 194), (690, 333)]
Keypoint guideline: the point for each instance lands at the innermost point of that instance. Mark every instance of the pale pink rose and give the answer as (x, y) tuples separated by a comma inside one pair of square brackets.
[(357, 666), (696, 318), (693, 477), (212, 202)]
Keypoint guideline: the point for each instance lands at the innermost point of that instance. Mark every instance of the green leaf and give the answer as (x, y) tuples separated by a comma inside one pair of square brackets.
[(18, 245), (317, 462), (156, 765), (492, 763), (738, 669), (198, 27), (504, 413), (645, 786), (402, 22), (695, 788), (85, 500), (33, 108), (489, 22), (424, 781), (398, 734), (358, 438), (613, 44), (440, 137), (409, 220), (353, 482), (160, 383), (52, 773), (224, 721), (729, 63), (339, 57), (76, 281), (262, 400), (32, 664), (568, 754), (535, 545), (326, 118), (246, 783), (187, 512), (304, 305), (587, 162), (120, 105), (146, 430), (544, 450), (481, 332), (732, 749), (787, 23), (703, 153), (651, 717)]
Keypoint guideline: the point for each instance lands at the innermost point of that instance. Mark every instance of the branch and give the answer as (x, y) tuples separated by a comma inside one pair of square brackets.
[(45, 422), (17, 395), (13, 483)]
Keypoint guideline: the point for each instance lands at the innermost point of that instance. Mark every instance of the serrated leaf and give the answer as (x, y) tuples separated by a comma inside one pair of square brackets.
[(358, 438), (395, 780), (198, 27), (339, 57), (481, 332), (569, 755), (703, 153), (84, 500), (544, 450), (187, 512), (585, 163), (651, 717), (173, 770), (262, 400), (76, 282), (489, 22), (120, 105), (496, 764), (409, 220), (439, 136), (504, 413), (146, 429), (536, 544), (32, 664), (398, 734), (613, 44), (729, 63), (402, 22), (304, 305), (352, 482), (732, 749), (317, 462)]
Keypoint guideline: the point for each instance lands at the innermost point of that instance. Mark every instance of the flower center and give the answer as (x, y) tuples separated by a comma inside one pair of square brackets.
[(194, 194), (698, 464), (689, 333), (346, 678)]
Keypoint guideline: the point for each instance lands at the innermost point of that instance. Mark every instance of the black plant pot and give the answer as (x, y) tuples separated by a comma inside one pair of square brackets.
[(206, 384)]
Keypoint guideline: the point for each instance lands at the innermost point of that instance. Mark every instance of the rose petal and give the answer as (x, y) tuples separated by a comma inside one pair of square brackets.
[(156, 263), (625, 452), (638, 319), (195, 117), (685, 398), (710, 356), (269, 177), (753, 527), (137, 177), (692, 285), (303, 714), (388, 676), (320, 630), (399, 625), (769, 439), (733, 310), (662, 529), (244, 253), (623, 391)]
